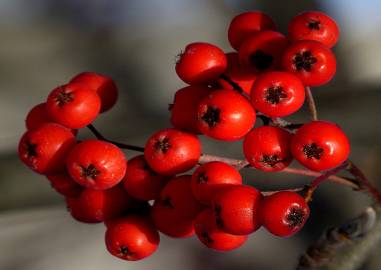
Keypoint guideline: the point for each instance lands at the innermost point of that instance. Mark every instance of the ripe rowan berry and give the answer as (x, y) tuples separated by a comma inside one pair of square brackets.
[(170, 151), (225, 115), (237, 74), (268, 148), (73, 105), (64, 185), (311, 61), (37, 116), (141, 182), (236, 209), (200, 63), (96, 164), (45, 148), (93, 206), (185, 105), (262, 51), (277, 94), (320, 145), (246, 24), (314, 25), (104, 86), (283, 213), (132, 238), (207, 178), (212, 236)]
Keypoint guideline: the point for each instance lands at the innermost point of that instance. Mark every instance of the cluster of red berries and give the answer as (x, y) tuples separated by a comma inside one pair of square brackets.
[(147, 194)]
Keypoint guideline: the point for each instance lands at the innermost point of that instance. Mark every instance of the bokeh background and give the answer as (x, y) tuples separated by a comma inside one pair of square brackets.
[(44, 43)]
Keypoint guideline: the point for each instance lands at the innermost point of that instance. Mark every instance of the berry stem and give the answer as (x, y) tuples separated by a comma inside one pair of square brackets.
[(311, 104), (232, 83)]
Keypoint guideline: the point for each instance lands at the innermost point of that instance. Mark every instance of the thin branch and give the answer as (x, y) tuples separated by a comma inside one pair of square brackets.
[(311, 104), (232, 83)]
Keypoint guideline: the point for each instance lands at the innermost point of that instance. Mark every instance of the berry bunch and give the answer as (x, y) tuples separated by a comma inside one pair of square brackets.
[(266, 76)]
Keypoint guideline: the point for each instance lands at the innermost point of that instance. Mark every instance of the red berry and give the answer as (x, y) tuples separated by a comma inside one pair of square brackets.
[(141, 182), (246, 24), (225, 115), (237, 74), (236, 209), (320, 145), (45, 148), (96, 164), (73, 105), (268, 148), (277, 94), (213, 237), (132, 238), (210, 176), (262, 51), (201, 63), (283, 213), (185, 105), (64, 185), (37, 116), (93, 206), (314, 25), (170, 151), (311, 61), (104, 86)]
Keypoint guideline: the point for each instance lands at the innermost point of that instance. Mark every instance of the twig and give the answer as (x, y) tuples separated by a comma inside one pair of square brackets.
[(232, 83), (311, 104)]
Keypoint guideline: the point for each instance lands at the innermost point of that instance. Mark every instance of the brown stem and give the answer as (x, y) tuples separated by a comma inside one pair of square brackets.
[(311, 104)]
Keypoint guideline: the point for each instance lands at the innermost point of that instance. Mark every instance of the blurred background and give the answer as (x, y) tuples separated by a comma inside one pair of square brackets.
[(45, 43)]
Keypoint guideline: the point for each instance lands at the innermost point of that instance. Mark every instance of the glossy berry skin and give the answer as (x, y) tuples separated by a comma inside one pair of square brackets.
[(46, 148), (171, 151), (64, 185), (283, 213), (311, 61), (96, 164), (184, 107), (277, 93), (132, 238), (207, 178), (212, 236), (314, 25), (37, 116), (104, 86), (73, 105), (93, 206), (246, 24), (262, 51), (200, 63), (320, 145), (236, 209), (237, 74), (141, 182), (225, 115), (268, 148)]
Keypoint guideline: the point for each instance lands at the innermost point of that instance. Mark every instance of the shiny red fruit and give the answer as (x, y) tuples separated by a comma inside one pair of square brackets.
[(141, 182), (225, 115), (132, 238), (311, 61), (201, 63), (207, 178), (65, 185), (320, 145), (212, 236), (283, 213), (237, 74), (93, 206), (104, 86), (185, 105), (73, 105), (268, 148), (247, 23), (46, 148), (314, 25), (262, 51), (277, 93), (170, 151), (37, 116), (96, 164), (236, 209)]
